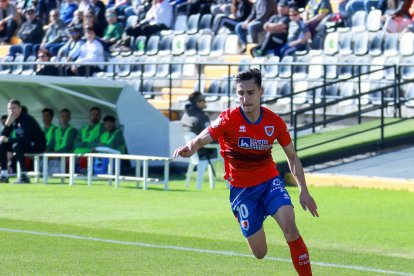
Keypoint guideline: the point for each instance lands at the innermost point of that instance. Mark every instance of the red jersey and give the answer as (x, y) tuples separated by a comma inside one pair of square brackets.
[(247, 146)]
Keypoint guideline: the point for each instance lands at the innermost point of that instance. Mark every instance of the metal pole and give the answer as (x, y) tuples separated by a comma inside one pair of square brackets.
[(291, 92), (382, 116), (228, 85), (359, 99), (324, 95), (313, 110), (170, 93)]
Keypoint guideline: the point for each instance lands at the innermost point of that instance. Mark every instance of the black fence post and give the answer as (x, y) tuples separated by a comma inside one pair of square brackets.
[(170, 92), (382, 116), (359, 100), (324, 95), (228, 85)]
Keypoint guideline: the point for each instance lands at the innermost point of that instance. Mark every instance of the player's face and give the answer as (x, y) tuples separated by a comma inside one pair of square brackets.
[(249, 96), (109, 126)]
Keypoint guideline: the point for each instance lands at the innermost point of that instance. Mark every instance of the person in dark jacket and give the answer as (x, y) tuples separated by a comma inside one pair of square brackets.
[(28, 138), (195, 120), (31, 34)]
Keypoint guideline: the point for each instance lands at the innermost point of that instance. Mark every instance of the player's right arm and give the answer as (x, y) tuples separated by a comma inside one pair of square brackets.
[(192, 146)]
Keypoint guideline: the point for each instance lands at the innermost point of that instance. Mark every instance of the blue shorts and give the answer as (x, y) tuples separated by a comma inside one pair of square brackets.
[(252, 205)]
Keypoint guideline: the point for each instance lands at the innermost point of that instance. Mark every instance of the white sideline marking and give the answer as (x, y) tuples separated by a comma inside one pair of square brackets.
[(217, 252)]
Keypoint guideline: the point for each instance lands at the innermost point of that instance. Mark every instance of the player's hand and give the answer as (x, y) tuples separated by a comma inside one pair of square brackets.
[(308, 203), (183, 151)]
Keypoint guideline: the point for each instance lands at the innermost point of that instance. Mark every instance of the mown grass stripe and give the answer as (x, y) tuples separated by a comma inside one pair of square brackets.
[(199, 250)]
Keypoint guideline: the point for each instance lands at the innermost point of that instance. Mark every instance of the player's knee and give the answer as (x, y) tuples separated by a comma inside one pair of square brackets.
[(260, 253), (290, 231)]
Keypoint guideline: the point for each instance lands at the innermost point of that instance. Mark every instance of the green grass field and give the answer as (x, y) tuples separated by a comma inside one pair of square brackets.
[(61, 230)]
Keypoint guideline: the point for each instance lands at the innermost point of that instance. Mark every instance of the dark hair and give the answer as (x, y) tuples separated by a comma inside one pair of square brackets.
[(294, 7), (109, 118), (16, 102), (45, 52), (48, 110), (251, 74), (195, 97), (65, 110), (95, 108)]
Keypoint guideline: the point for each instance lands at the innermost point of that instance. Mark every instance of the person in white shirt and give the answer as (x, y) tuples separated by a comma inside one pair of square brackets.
[(159, 17), (91, 51)]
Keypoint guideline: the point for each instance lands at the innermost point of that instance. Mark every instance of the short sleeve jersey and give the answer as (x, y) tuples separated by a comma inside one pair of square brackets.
[(246, 146)]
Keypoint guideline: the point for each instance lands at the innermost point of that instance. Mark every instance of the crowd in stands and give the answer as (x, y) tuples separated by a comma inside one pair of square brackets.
[(96, 136), (88, 30)]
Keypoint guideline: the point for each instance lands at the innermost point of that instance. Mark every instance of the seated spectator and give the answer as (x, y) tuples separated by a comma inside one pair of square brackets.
[(298, 35), (315, 11), (78, 19), (276, 29), (71, 50), (99, 9), (91, 21), (89, 135), (44, 7), (138, 8), (240, 10), (30, 33), (55, 36), (44, 69), (114, 30), (401, 19), (112, 140), (65, 134), (119, 5), (159, 17), (90, 51), (49, 128), (221, 7), (29, 138), (67, 10), (190, 7), (9, 21), (261, 12)]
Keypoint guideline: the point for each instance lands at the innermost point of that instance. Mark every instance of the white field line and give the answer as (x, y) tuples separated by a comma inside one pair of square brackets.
[(199, 250)]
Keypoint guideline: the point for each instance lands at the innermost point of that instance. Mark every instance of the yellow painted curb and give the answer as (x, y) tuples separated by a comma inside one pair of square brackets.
[(324, 180)]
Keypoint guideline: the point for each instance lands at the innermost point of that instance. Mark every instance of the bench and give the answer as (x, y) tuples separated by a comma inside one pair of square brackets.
[(142, 163)]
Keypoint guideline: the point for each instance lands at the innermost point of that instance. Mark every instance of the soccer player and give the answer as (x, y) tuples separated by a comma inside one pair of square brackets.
[(246, 134)]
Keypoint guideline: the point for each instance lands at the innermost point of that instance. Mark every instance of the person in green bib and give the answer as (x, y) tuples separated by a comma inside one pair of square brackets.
[(65, 134), (88, 136), (112, 140), (48, 128)]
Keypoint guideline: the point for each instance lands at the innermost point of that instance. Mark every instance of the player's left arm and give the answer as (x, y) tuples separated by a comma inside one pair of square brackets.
[(296, 168)]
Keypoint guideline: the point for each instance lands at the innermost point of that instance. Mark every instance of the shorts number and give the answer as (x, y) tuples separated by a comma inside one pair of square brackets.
[(244, 213)]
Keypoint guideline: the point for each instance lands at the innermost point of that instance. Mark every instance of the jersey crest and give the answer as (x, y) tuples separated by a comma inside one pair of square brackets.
[(269, 130)]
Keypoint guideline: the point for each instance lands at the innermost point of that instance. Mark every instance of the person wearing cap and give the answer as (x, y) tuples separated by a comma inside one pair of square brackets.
[(9, 21), (276, 29), (31, 34), (71, 50), (91, 51)]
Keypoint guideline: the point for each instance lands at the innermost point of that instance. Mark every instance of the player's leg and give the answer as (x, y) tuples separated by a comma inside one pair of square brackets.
[(257, 243), (285, 217)]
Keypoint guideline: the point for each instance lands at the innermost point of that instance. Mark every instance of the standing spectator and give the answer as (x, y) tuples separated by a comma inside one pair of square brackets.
[(31, 34), (49, 128), (29, 138), (298, 34), (43, 69), (159, 17), (67, 10), (65, 134), (247, 134), (114, 30), (9, 21), (71, 50), (276, 29), (112, 140), (89, 135), (55, 35), (91, 51), (240, 10), (261, 12)]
